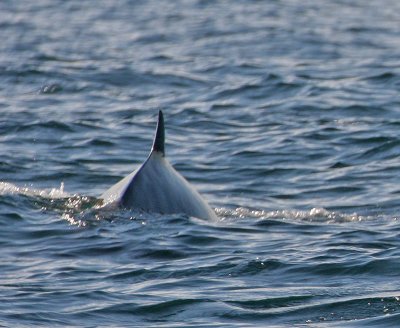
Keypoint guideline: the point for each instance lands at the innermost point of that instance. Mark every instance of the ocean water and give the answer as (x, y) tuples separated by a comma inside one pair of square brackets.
[(285, 115)]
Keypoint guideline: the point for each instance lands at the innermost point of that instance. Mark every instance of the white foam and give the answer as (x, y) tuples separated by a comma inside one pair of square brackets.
[(7, 188), (315, 214)]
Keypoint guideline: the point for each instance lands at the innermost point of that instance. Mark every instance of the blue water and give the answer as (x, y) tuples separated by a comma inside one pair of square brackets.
[(285, 115)]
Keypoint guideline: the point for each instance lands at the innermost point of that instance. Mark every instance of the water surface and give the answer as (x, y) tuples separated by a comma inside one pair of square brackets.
[(283, 114)]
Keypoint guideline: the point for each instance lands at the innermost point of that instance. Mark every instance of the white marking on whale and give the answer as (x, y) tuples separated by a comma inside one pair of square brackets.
[(157, 187)]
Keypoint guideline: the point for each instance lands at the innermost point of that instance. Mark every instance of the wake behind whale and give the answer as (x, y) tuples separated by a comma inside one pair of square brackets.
[(157, 187)]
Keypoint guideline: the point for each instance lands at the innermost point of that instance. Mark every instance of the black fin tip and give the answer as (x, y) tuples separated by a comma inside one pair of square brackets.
[(159, 139)]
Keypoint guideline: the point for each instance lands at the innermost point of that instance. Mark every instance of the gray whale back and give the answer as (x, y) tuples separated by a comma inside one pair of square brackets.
[(157, 187)]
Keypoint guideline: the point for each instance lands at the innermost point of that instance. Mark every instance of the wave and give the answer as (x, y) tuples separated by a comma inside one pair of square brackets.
[(7, 188), (87, 207), (313, 215)]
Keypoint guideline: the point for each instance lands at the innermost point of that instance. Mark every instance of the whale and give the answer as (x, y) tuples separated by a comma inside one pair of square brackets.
[(156, 187)]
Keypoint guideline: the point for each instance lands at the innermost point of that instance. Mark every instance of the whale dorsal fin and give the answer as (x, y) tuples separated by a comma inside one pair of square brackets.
[(159, 138), (157, 187)]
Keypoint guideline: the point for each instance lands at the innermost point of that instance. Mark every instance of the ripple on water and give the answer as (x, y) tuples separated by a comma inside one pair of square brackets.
[(283, 115)]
